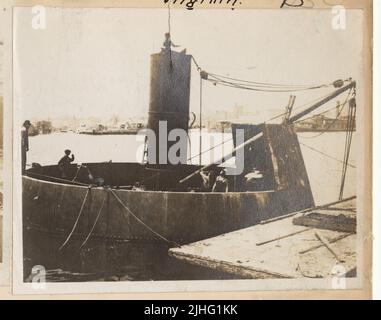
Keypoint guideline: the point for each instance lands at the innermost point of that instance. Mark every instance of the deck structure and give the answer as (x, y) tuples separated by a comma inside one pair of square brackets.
[(288, 247)]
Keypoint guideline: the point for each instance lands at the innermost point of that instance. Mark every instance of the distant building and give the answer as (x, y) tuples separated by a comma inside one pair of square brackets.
[(44, 127), (323, 123)]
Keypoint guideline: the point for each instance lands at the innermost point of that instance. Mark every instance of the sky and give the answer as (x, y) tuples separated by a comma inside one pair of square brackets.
[(96, 62)]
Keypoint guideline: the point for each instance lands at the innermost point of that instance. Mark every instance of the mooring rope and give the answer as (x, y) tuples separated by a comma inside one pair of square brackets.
[(95, 223), (76, 221), (76, 175), (118, 199), (142, 222)]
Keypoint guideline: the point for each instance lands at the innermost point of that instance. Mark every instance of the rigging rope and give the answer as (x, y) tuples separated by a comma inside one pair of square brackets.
[(210, 149), (76, 175), (200, 132), (270, 119), (56, 178), (141, 222), (95, 223), (348, 143), (261, 88), (273, 118), (83, 205), (264, 84), (327, 155), (76, 221), (196, 64), (258, 89), (169, 31), (258, 86)]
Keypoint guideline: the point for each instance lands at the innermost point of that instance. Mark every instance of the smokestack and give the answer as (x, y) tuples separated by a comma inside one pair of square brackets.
[(169, 96)]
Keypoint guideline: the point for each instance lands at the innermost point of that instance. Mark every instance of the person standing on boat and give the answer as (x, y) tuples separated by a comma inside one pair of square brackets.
[(24, 143), (168, 44), (64, 163), (206, 181), (222, 182)]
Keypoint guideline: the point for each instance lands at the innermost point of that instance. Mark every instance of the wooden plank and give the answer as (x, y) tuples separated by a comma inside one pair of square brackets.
[(343, 236), (328, 246), (282, 237), (309, 209), (340, 222), (241, 271)]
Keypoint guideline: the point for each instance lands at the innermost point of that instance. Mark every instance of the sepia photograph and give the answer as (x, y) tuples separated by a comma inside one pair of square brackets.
[(1, 151), (5, 223), (171, 149)]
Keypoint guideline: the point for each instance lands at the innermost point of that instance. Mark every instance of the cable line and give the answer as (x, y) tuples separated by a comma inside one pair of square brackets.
[(327, 155), (266, 84)]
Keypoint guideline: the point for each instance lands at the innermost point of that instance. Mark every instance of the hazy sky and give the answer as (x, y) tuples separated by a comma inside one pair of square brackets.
[(96, 62)]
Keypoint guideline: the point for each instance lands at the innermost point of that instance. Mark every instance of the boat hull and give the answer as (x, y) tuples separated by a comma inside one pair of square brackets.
[(50, 211), (178, 216)]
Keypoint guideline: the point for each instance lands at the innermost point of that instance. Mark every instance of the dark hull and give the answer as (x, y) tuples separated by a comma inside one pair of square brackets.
[(179, 216), (118, 240)]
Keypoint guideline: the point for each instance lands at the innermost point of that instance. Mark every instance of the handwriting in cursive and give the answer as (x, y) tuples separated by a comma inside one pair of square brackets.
[(300, 3), (191, 3)]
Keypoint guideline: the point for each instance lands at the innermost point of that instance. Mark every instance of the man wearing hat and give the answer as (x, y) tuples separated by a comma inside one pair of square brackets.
[(24, 143), (64, 163)]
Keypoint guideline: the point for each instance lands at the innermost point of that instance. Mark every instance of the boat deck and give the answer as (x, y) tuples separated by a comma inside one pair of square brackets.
[(302, 245)]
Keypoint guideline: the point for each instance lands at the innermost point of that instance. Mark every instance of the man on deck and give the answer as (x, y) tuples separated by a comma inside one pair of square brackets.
[(64, 164), (207, 183), (24, 143), (222, 182), (168, 44)]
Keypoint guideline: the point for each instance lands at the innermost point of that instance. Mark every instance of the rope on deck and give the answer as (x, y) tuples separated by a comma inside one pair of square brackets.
[(141, 222)]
